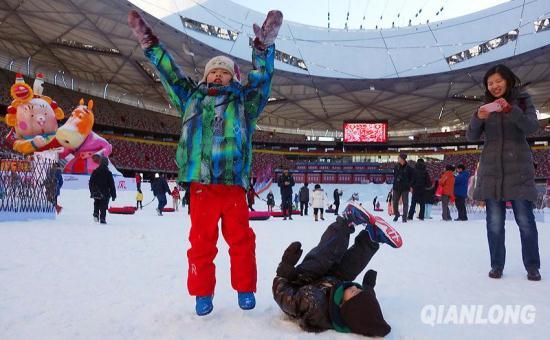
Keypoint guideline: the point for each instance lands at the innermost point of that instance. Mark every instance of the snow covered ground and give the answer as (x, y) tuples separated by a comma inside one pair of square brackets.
[(74, 279)]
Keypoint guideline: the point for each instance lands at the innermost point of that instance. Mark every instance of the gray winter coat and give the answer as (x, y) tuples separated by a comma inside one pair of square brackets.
[(506, 171)]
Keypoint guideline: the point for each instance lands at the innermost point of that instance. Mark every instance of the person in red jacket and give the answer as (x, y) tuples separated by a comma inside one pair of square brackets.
[(138, 181), (447, 183), (176, 198)]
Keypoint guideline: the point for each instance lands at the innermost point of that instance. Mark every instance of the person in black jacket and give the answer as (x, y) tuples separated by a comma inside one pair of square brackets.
[(403, 176), (319, 292), (304, 199), (286, 182), (421, 182), (270, 198), (336, 194), (53, 184), (429, 199), (160, 188), (102, 188)]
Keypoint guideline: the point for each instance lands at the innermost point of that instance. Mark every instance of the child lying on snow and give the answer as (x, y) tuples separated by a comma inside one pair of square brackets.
[(319, 292)]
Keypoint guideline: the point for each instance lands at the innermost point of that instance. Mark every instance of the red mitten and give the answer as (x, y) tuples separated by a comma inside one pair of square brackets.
[(142, 31), (266, 34)]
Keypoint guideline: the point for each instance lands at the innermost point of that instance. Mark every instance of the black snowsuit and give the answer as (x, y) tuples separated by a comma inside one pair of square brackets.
[(286, 193), (270, 200), (403, 180), (336, 196), (421, 182), (306, 294), (160, 188), (102, 188), (304, 200)]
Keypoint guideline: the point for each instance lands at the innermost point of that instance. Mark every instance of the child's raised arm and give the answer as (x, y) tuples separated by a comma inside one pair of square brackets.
[(263, 62), (178, 86)]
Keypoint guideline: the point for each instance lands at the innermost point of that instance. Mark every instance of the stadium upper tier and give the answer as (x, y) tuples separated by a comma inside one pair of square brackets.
[(420, 78), (496, 33)]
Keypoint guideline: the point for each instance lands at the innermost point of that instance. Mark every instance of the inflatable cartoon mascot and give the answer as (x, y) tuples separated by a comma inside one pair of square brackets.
[(33, 117), (80, 142)]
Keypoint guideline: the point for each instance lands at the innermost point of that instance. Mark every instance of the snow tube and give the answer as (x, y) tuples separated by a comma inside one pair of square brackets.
[(168, 209), (330, 210), (259, 215), (122, 210)]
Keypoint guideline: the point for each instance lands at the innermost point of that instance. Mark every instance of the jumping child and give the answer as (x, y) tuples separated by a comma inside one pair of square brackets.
[(214, 154)]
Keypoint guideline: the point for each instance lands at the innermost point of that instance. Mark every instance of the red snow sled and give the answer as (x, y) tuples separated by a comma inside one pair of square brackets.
[(128, 210), (259, 215), (168, 209)]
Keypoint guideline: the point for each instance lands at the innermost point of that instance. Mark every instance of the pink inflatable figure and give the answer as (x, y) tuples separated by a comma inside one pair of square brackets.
[(80, 142)]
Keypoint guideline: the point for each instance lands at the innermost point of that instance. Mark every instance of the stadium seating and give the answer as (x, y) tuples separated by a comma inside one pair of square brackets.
[(147, 155)]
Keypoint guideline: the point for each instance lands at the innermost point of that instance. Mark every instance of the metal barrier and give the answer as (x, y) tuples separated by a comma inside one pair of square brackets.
[(27, 188)]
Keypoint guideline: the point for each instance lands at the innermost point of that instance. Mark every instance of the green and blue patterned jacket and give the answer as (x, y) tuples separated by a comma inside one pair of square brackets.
[(215, 146)]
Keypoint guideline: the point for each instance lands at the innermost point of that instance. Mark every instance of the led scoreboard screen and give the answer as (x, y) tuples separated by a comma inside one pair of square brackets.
[(366, 132)]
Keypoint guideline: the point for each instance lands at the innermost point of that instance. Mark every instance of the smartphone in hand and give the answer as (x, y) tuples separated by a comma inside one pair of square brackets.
[(491, 107)]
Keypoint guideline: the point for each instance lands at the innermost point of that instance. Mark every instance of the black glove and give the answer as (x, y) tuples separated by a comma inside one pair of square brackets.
[(292, 253), (291, 256), (369, 280), (287, 271), (114, 198)]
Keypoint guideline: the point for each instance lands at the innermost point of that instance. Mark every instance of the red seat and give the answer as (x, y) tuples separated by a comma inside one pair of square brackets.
[(122, 210), (259, 215)]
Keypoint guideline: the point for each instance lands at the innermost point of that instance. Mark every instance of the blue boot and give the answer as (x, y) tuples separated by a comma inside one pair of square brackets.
[(246, 300), (203, 305), (355, 213), (379, 230)]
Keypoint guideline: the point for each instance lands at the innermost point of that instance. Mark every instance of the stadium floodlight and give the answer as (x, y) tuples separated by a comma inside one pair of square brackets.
[(211, 30), (542, 25), (285, 57), (483, 48)]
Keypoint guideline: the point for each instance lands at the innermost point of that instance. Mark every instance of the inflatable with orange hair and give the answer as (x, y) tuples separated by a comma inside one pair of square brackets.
[(32, 117), (80, 142)]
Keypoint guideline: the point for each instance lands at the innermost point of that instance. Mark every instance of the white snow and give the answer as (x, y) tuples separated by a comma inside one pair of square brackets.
[(74, 279)]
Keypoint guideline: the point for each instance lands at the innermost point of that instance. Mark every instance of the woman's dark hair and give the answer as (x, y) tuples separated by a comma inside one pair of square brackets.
[(512, 82), (449, 167)]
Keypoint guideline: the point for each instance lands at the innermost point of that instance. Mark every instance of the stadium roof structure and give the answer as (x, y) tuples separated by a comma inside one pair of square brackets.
[(421, 77)]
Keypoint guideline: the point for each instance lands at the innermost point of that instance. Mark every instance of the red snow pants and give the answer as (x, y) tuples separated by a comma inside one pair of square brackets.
[(209, 204)]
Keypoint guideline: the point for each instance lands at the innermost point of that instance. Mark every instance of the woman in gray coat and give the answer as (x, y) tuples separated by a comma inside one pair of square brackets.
[(506, 171)]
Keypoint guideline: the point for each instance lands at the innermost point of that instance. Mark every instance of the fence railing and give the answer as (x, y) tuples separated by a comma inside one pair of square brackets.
[(27, 185)]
